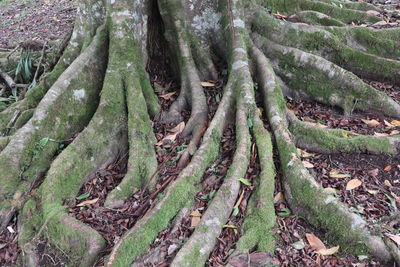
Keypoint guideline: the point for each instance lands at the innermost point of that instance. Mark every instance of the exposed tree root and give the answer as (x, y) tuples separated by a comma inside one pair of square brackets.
[(304, 194), (99, 97), (28, 154)]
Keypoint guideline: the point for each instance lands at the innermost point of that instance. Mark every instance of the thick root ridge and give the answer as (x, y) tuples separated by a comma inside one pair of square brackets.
[(309, 73), (322, 140), (30, 150), (304, 194), (179, 195)]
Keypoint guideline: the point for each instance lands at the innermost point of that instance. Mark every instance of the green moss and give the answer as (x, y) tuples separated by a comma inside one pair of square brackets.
[(339, 140)]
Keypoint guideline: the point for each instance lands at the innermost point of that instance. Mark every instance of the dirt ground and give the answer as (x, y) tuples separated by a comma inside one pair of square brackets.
[(34, 20)]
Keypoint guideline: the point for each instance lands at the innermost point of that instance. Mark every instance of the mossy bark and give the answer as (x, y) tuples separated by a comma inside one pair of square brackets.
[(99, 97)]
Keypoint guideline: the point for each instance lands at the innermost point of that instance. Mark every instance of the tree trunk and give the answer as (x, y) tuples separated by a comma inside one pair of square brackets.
[(99, 97)]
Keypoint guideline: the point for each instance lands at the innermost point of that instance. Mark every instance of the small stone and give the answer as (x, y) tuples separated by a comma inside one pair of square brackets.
[(171, 249)]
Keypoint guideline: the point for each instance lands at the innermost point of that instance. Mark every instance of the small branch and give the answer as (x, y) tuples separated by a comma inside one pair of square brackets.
[(40, 62), (9, 81)]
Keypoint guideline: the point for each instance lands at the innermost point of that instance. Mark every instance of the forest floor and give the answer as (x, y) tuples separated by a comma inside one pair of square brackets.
[(369, 184)]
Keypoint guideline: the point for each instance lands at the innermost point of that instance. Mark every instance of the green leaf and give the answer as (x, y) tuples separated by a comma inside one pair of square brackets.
[(83, 196), (212, 194), (244, 181), (285, 212), (250, 122), (42, 143), (235, 211)]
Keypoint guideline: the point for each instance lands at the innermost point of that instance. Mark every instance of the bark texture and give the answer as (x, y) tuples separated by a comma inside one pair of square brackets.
[(99, 95)]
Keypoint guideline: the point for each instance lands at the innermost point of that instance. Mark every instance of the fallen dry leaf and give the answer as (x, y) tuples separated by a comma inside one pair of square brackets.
[(353, 183), (373, 192), (381, 134), (207, 84), (394, 132), (88, 202), (395, 238), (307, 164), (337, 174), (330, 190), (174, 133), (195, 221), (195, 213), (372, 123), (395, 122), (328, 251), (387, 183), (278, 197), (315, 242), (167, 96), (388, 124), (387, 168)]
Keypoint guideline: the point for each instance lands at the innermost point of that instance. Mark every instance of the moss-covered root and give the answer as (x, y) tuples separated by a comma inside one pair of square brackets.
[(309, 73), (358, 49), (126, 60), (315, 18), (178, 196), (84, 30), (305, 196), (324, 140), (340, 13), (191, 90), (3, 142), (99, 144), (260, 215), (196, 250), (65, 110), (362, 6)]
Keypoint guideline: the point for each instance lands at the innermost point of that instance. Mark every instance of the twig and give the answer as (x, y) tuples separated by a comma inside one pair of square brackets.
[(9, 81), (12, 52), (40, 62)]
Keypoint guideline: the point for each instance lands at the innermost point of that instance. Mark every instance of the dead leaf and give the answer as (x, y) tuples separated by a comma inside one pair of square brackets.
[(315, 242), (207, 84), (381, 134), (387, 168), (88, 202), (278, 197), (167, 96), (330, 190), (195, 221), (305, 154), (373, 192), (387, 183), (394, 132), (395, 122), (372, 123), (195, 213), (174, 133), (329, 251), (337, 174), (388, 124), (395, 238), (307, 164), (353, 183)]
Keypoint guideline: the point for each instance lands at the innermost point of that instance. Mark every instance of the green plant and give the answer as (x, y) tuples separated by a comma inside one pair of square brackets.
[(24, 69)]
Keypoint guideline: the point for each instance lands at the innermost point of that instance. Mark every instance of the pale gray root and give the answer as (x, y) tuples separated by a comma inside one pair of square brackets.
[(343, 14), (89, 18), (364, 51), (260, 212), (28, 155), (323, 140), (102, 142), (362, 6), (196, 250), (179, 195), (3, 142), (303, 193), (142, 162), (309, 73), (315, 18), (191, 90)]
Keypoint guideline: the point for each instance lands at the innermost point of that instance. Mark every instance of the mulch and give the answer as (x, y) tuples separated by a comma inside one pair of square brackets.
[(40, 21)]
